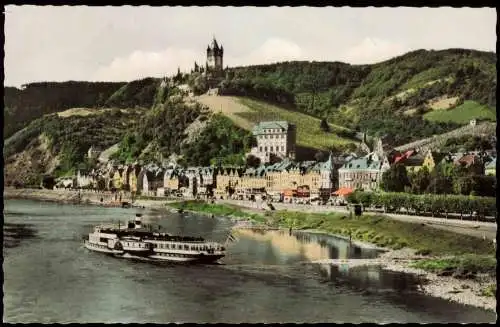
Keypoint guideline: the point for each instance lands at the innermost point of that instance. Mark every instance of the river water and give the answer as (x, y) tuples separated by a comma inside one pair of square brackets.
[(265, 277)]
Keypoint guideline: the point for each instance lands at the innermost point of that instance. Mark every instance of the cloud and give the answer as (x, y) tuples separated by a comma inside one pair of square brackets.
[(372, 50), (272, 50), (140, 64)]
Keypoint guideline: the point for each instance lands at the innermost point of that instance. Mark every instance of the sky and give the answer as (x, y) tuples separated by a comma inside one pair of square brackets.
[(47, 43)]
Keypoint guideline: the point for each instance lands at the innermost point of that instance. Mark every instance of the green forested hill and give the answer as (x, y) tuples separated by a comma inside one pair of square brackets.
[(380, 98), (37, 99), (21, 106)]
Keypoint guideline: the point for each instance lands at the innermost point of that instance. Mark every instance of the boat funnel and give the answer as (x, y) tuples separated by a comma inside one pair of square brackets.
[(138, 222)]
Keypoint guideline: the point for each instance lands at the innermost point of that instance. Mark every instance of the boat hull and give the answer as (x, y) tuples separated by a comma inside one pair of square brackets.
[(158, 257), (188, 260), (101, 248)]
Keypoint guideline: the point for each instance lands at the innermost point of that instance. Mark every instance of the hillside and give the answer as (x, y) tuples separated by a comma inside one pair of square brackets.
[(34, 100), (245, 113), (407, 98), (58, 143), (388, 98), (463, 113)]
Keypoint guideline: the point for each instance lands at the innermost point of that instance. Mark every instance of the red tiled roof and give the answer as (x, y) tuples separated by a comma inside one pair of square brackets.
[(399, 158), (467, 159), (409, 153)]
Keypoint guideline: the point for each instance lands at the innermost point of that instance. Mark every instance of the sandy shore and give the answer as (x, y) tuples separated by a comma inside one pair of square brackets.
[(462, 291), (453, 289)]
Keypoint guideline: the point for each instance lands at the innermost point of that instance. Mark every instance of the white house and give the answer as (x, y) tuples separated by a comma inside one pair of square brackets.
[(274, 138)]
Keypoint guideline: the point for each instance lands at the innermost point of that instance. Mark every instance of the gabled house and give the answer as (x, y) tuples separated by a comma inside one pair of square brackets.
[(398, 157), (192, 176), (171, 179), (472, 163), (109, 177), (206, 180), (150, 179), (412, 161), (226, 178), (132, 178), (146, 182), (84, 179), (432, 159), (117, 178), (363, 173)]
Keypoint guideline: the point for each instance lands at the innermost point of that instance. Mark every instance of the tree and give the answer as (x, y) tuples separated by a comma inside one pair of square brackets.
[(395, 179), (252, 161), (274, 159), (463, 185), (324, 126), (319, 156), (48, 182), (420, 180), (440, 184)]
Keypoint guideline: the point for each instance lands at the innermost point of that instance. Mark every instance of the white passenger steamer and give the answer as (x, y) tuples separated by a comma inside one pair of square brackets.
[(136, 241)]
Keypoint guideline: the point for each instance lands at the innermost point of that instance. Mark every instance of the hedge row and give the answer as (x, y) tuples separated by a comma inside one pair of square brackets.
[(434, 203)]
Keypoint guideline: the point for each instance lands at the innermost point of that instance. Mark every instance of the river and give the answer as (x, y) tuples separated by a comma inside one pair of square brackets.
[(265, 277)]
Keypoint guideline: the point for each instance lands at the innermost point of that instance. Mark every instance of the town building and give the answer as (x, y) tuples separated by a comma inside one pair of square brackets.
[(252, 183), (132, 178), (84, 179), (274, 138), (412, 160), (363, 173), (206, 181), (171, 180), (227, 180), (432, 159), (472, 163), (150, 178)]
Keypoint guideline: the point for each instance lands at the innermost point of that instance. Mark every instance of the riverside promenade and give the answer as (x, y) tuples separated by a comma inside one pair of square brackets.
[(468, 227)]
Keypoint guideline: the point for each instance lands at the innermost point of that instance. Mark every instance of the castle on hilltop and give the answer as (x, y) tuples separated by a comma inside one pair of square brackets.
[(214, 57), (214, 63)]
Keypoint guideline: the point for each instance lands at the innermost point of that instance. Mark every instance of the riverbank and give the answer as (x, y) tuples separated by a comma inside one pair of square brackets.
[(406, 245), (80, 197)]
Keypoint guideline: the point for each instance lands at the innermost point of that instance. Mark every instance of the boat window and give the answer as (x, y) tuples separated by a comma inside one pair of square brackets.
[(186, 247)]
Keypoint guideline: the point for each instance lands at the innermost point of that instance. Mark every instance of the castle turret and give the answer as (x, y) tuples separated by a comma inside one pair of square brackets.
[(214, 56)]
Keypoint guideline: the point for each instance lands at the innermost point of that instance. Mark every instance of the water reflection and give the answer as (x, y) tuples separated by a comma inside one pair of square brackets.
[(310, 247), (305, 247), (13, 234)]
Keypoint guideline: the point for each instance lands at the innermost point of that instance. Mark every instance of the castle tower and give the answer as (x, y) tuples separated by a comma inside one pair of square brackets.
[(215, 54)]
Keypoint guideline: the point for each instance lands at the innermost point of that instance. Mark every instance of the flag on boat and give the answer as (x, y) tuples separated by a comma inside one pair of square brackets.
[(231, 238)]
